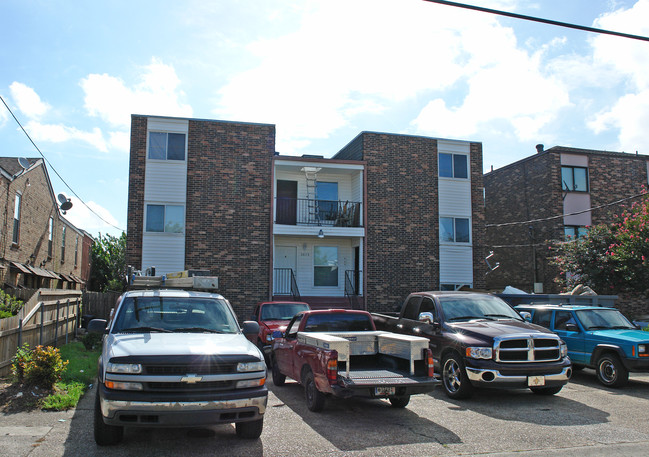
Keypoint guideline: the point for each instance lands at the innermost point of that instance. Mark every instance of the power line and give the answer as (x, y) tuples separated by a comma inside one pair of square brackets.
[(538, 19), (616, 202), (54, 169)]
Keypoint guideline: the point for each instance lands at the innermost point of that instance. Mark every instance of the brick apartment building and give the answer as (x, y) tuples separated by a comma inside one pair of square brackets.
[(552, 192), (38, 246), (385, 216)]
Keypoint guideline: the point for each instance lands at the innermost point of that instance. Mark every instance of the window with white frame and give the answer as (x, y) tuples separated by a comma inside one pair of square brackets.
[(17, 205), (453, 165), (165, 218), (166, 146), (454, 230), (76, 252), (448, 286), (50, 238), (63, 245), (325, 266)]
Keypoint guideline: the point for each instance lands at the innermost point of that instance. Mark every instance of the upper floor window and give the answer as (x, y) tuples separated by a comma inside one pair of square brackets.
[(327, 193), (454, 230), (50, 238), (573, 232), (76, 252), (453, 165), (166, 146), (165, 218), (63, 246), (17, 204), (574, 179)]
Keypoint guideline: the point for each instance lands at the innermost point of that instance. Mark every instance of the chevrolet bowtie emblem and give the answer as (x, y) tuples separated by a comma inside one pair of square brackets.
[(191, 379)]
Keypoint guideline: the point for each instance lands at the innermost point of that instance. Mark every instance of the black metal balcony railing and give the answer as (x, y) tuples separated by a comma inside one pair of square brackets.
[(285, 283), (302, 211)]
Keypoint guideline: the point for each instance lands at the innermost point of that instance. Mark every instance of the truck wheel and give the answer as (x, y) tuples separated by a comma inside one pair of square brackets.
[(399, 402), (314, 398), (250, 430), (611, 372), (105, 435), (546, 390), (278, 378), (456, 383)]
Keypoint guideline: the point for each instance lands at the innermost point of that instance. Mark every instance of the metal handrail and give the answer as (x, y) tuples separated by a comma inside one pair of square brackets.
[(306, 211), (352, 282), (285, 283)]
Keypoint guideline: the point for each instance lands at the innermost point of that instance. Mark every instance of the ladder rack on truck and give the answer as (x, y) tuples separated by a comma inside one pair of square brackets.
[(188, 279)]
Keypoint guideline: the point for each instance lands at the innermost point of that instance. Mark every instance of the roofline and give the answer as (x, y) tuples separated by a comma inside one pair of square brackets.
[(148, 116)]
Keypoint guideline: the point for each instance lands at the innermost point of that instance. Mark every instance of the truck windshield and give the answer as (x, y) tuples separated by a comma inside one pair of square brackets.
[(594, 319), (281, 311), (174, 314), (341, 322), (465, 308)]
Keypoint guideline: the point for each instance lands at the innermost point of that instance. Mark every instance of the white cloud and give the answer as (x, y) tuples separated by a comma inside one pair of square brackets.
[(120, 140), (57, 133), (28, 101), (110, 99), (631, 116), (84, 219)]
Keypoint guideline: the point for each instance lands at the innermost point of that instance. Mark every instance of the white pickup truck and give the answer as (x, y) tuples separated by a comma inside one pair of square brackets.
[(176, 358)]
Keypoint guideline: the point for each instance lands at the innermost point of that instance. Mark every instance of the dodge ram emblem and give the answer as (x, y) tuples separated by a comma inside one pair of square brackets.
[(191, 379)]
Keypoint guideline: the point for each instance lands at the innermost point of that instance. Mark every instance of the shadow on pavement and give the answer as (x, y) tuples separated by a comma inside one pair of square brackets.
[(358, 424), (638, 385), (155, 442)]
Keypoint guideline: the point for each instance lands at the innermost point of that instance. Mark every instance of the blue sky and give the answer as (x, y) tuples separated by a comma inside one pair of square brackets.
[(322, 71)]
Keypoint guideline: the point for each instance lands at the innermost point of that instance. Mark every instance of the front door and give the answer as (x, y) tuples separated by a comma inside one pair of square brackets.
[(285, 263), (286, 202)]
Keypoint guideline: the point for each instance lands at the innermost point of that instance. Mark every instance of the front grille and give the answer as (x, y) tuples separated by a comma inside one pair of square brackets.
[(183, 369), (186, 387), (527, 349)]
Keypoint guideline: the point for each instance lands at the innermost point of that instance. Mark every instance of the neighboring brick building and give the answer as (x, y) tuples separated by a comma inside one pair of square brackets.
[(552, 193), (361, 229), (38, 246)]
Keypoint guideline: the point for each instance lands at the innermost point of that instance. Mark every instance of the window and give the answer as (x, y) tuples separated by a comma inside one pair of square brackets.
[(63, 246), (574, 179), (165, 218), (411, 310), (17, 204), (166, 146), (454, 230), (50, 238), (449, 287), (572, 232), (542, 317), (76, 251), (453, 166), (327, 193), (562, 319), (325, 266)]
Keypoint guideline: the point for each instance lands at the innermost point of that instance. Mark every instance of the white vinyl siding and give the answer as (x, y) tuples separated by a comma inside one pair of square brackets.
[(455, 265), (166, 253)]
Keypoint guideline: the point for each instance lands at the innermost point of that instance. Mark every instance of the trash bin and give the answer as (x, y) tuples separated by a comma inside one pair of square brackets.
[(85, 320)]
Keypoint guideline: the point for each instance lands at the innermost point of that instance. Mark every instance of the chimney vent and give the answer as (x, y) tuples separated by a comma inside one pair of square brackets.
[(539, 148)]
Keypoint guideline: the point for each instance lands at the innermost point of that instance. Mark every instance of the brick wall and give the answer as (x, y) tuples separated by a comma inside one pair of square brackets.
[(137, 166), (229, 207), (524, 191)]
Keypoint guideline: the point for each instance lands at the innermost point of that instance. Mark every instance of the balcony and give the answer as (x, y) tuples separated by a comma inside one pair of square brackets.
[(301, 211)]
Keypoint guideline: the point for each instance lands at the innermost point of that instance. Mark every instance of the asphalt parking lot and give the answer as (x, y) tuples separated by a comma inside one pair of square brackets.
[(583, 419)]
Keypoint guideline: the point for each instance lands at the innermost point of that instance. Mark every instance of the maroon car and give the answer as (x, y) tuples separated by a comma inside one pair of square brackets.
[(275, 315)]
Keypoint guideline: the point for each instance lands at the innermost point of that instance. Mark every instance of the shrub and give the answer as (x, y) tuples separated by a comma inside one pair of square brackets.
[(45, 367), (9, 304), (92, 341), (19, 362)]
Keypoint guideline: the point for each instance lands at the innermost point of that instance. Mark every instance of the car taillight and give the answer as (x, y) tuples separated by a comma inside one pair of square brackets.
[(429, 361), (332, 368)]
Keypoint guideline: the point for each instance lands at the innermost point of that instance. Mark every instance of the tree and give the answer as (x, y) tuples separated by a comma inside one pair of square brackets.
[(609, 258), (108, 264)]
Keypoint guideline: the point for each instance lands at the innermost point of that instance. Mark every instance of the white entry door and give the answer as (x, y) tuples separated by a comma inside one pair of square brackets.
[(285, 258)]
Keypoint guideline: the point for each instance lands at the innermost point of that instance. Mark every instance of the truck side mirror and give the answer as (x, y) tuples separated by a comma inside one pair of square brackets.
[(572, 328), (97, 326), (250, 328), (426, 317), (277, 334), (526, 316)]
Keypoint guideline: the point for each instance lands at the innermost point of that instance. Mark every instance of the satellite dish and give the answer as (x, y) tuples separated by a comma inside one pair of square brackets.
[(24, 163), (62, 198), (66, 206)]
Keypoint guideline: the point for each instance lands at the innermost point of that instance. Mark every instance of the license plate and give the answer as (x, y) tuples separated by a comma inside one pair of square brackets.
[(384, 391), (536, 381)]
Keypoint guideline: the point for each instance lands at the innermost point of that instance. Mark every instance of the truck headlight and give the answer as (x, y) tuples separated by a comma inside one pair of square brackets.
[(251, 366), (479, 353), (124, 368), (564, 349), (269, 337), (251, 383), (119, 385), (642, 350)]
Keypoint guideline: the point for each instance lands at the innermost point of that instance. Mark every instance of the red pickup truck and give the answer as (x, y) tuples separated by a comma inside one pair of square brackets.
[(340, 353), (274, 315)]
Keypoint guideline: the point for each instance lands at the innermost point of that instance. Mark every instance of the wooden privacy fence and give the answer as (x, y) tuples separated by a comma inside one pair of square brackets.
[(99, 304), (49, 317)]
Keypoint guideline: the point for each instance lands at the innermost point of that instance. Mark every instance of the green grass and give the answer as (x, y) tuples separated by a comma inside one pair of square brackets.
[(79, 374)]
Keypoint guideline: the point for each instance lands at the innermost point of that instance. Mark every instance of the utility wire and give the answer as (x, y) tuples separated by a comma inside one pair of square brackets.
[(616, 202), (54, 169), (538, 19)]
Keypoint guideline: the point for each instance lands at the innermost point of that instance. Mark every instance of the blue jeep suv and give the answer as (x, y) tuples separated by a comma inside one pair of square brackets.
[(599, 338)]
